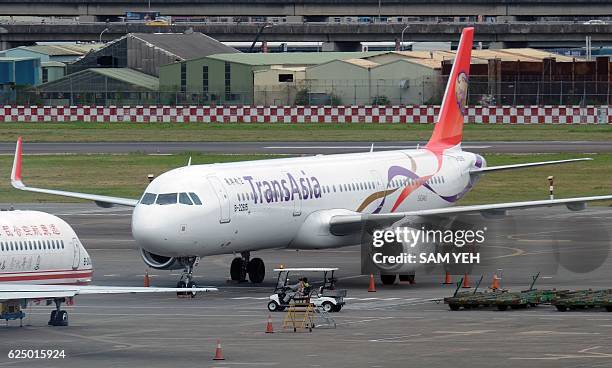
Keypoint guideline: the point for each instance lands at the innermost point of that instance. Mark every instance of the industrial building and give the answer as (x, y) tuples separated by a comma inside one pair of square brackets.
[(101, 86), (229, 78), (64, 53), (146, 52)]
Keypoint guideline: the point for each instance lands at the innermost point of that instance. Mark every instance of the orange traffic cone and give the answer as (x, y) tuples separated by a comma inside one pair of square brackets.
[(466, 281), (447, 279), (495, 284), (218, 352), (372, 288), (269, 328), (147, 281)]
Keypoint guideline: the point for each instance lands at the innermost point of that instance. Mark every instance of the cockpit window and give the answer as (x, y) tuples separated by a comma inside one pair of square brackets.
[(148, 198), (184, 199), (166, 198), (195, 198)]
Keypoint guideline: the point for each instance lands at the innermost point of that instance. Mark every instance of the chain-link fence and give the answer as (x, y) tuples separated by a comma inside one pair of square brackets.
[(423, 91)]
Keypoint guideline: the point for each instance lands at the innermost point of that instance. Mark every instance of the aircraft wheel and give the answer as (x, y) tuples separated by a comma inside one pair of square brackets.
[(191, 285), (236, 270), (61, 318), (408, 278), (52, 318), (181, 285), (387, 279), (257, 270)]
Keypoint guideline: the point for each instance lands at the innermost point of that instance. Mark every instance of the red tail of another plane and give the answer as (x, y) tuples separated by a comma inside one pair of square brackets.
[(449, 128)]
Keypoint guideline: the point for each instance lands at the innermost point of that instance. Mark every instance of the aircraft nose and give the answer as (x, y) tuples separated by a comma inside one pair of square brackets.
[(147, 227)]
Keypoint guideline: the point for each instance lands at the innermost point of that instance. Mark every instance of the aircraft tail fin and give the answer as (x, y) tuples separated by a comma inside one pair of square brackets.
[(448, 131)]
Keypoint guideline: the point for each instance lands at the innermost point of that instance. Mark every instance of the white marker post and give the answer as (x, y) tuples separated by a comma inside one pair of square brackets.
[(551, 188)]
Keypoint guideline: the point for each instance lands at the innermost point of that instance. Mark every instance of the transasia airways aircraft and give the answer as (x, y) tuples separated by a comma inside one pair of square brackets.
[(314, 202), (41, 258)]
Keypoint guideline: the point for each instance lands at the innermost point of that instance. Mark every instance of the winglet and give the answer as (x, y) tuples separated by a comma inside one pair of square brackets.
[(16, 172), (448, 131)]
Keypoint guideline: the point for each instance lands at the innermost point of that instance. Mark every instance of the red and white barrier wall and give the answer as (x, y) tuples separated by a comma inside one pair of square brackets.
[(301, 114)]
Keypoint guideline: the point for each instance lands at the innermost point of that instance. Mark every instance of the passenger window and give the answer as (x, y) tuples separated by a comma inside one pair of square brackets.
[(166, 198), (195, 198), (148, 198), (184, 199)]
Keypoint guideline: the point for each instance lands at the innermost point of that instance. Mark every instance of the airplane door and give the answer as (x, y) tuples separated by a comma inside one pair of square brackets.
[(222, 196), (297, 201), (76, 259)]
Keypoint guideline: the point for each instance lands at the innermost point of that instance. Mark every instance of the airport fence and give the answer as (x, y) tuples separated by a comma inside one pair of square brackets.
[(417, 114), (421, 91)]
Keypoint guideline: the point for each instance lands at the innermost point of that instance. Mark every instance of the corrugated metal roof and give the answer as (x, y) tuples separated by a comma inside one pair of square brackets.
[(127, 75), (6, 58), (185, 45), (292, 58), (433, 59), (56, 64), (364, 63), (63, 50)]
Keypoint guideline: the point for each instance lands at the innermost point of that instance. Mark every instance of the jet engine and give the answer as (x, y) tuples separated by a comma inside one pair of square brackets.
[(160, 262)]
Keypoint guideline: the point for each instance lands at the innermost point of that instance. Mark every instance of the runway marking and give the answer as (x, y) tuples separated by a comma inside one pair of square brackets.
[(546, 333), (587, 353), (390, 339), (471, 332), (516, 252), (359, 147), (250, 298)]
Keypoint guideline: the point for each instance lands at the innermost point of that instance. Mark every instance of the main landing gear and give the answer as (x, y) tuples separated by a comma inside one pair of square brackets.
[(243, 265), (58, 317), (186, 280), (390, 279)]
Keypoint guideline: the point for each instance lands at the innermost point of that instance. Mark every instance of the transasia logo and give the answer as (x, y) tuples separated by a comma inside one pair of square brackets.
[(286, 189)]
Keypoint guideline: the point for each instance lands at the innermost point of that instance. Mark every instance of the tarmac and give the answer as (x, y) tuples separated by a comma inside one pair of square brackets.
[(277, 147), (397, 326)]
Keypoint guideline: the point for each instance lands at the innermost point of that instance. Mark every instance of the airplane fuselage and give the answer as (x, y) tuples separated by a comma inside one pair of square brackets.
[(282, 203), (39, 248)]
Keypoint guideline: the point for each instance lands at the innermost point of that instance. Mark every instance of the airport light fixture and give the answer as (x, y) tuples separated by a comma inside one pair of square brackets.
[(101, 33), (402, 37)]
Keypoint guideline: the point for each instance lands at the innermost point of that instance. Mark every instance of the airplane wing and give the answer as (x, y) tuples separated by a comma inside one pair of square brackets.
[(28, 291), (101, 200), (346, 224), (521, 166)]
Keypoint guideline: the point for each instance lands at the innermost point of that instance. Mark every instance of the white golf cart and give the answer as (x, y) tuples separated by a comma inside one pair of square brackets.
[(324, 296)]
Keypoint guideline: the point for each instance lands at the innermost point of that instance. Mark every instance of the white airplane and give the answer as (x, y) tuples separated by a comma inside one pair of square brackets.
[(41, 258), (314, 202)]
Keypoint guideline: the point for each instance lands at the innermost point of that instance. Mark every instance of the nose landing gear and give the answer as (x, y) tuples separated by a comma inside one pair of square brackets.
[(243, 266), (186, 280)]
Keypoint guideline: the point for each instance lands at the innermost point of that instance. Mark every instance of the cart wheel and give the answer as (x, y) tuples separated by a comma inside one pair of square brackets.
[(273, 307), (454, 307), (502, 307), (294, 329), (608, 308), (327, 306), (561, 308), (533, 305)]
